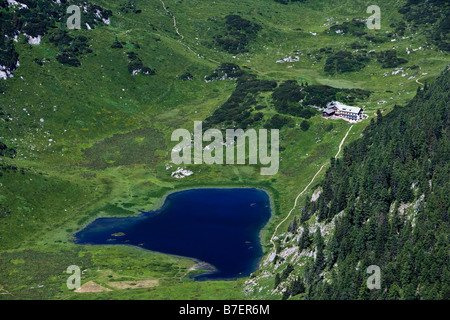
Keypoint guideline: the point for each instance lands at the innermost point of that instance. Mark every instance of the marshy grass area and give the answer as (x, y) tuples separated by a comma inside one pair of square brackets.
[(95, 140)]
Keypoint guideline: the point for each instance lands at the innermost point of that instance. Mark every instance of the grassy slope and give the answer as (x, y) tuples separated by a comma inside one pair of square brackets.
[(59, 191)]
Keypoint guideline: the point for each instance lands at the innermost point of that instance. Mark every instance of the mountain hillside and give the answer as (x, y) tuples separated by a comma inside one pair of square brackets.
[(388, 203)]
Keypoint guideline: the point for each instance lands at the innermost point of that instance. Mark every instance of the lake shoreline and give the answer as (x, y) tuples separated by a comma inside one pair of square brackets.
[(209, 268)]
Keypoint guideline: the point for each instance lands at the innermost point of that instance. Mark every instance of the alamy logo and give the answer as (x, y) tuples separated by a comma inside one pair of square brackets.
[(213, 152), (74, 281)]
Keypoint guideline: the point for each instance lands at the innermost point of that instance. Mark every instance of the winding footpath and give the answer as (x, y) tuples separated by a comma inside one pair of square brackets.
[(306, 188)]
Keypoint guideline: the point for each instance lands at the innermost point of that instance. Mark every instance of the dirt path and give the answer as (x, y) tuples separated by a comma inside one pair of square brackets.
[(195, 266), (306, 188), (5, 291), (180, 35), (174, 20)]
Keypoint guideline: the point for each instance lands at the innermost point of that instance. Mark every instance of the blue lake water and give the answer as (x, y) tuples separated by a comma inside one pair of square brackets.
[(218, 226)]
